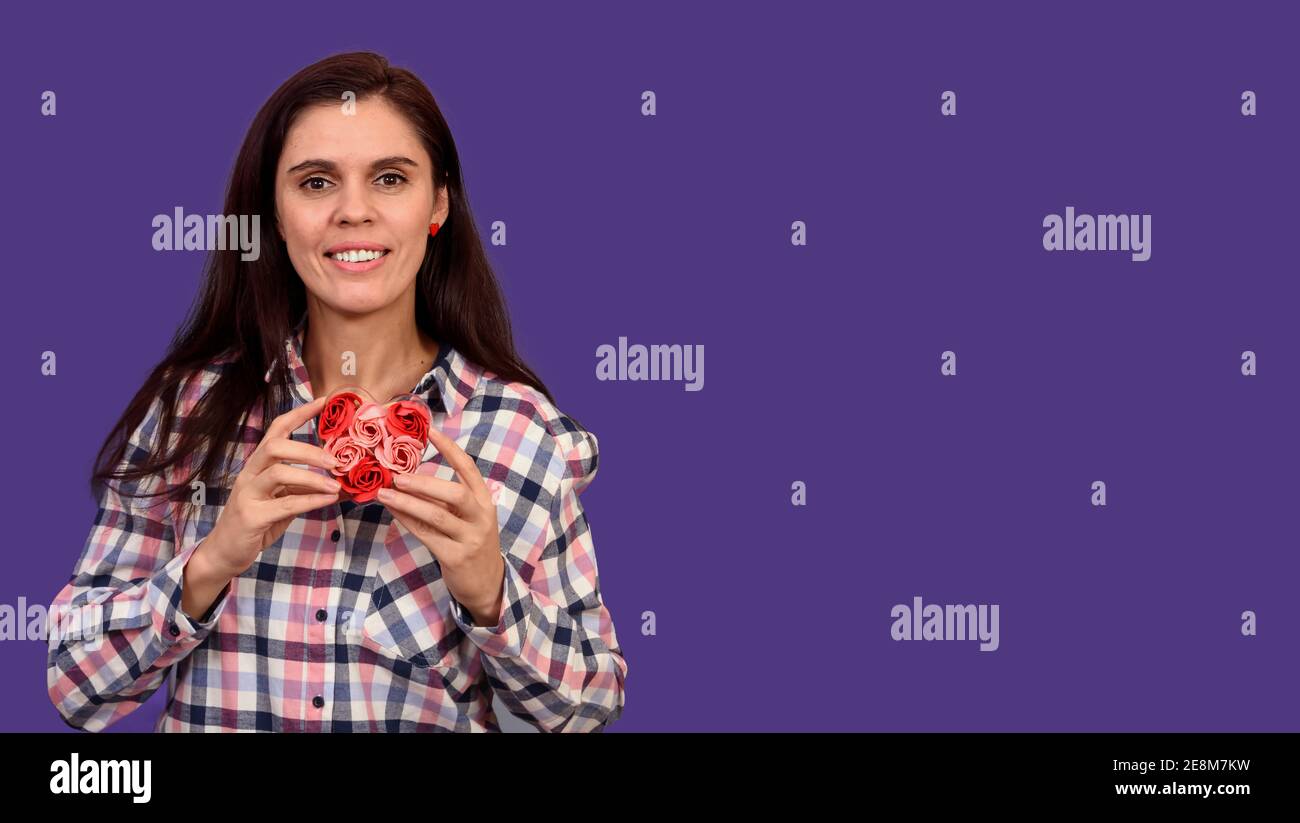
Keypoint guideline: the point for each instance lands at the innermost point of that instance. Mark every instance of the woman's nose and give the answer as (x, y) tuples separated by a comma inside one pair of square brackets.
[(354, 204)]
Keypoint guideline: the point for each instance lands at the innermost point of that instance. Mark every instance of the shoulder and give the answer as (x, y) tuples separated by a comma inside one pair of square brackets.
[(194, 384), (191, 386), (158, 430), (525, 421), (198, 381), (170, 409)]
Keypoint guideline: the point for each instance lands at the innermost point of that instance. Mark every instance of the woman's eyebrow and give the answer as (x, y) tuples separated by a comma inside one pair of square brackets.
[(332, 167)]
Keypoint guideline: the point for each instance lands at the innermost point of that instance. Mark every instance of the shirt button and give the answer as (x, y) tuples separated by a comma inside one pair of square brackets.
[(321, 614), (174, 630), (335, 536), (318, 701)]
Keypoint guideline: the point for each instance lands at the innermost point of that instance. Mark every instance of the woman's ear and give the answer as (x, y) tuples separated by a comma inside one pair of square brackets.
[(441, 205)]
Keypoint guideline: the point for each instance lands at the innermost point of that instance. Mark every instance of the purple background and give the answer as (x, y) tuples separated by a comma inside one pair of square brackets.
[(822, 362)]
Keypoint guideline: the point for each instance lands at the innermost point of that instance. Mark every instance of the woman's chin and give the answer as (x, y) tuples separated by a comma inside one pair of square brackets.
[(350, 302)]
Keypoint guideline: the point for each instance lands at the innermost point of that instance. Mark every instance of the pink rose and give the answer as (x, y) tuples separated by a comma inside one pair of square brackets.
[(371, 411), (368, 431), (400, 453), (345, 450)]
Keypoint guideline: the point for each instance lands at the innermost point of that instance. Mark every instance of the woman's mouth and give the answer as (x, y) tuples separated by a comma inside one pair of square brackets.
[(357, 260)]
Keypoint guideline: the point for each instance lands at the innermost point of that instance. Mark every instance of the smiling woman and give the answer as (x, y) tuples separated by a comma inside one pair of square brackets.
[(379, 210), (279, 605)]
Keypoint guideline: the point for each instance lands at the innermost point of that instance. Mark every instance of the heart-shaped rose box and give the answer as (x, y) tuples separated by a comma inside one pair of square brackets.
[(372, 441)]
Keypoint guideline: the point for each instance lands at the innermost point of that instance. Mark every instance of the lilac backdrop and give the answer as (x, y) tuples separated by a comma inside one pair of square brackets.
[(924, 234)]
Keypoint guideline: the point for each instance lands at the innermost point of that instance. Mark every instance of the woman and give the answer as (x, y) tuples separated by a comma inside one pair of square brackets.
[(280, 604)]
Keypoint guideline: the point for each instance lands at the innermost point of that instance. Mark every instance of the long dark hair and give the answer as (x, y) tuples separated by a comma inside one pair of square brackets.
[(246, 309)]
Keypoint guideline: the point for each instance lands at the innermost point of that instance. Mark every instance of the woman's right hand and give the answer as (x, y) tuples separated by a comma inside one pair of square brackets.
[(268, 494)]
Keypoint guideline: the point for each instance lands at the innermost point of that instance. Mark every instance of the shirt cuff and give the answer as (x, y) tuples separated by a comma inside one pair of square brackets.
[(506, 638), (172, 625)]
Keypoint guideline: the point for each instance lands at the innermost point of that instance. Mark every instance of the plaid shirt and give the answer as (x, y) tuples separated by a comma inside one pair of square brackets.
[(345, 623)]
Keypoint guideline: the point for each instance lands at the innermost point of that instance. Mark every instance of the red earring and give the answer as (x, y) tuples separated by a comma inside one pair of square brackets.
[(433, 229)]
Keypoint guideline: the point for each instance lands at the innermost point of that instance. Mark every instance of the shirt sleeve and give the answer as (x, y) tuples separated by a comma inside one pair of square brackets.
[(117, 626), (553, 656)]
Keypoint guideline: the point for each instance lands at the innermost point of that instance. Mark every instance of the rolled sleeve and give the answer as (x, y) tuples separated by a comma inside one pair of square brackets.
[(507, 637), (126, 590), (171, 624), (553, 656)]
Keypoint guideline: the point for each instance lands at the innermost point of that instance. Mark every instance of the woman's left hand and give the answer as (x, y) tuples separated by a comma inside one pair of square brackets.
[(458, 524)]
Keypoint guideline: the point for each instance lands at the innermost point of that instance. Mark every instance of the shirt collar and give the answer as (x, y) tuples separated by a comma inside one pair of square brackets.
[(447, 386)]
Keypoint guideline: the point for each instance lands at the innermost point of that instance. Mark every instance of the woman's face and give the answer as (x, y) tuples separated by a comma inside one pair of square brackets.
[(354, 198)]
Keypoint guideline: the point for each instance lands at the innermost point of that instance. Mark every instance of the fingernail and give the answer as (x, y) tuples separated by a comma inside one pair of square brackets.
[(385, 494)]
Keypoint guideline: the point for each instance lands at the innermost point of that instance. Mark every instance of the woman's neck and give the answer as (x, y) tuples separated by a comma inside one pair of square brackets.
[(381, 352)]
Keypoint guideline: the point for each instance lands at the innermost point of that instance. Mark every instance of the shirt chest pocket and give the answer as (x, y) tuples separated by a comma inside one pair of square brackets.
[(409, 612)]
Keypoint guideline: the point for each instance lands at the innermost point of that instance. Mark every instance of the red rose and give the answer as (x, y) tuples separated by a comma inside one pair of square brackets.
[(337, 415), (364, 480), (410, 419)]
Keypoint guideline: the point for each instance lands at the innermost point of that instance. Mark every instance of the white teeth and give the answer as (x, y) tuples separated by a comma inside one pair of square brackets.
[(357, 256)]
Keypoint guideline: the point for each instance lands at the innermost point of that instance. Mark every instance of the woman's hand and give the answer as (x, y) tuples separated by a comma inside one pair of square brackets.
[(269, 493), (457, 522)]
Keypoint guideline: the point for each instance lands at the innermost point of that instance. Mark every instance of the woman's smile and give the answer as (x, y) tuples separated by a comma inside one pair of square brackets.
[(357, 257)]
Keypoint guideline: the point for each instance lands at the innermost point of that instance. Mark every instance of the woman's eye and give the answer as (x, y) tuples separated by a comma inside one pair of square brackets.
[(388, 181)]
